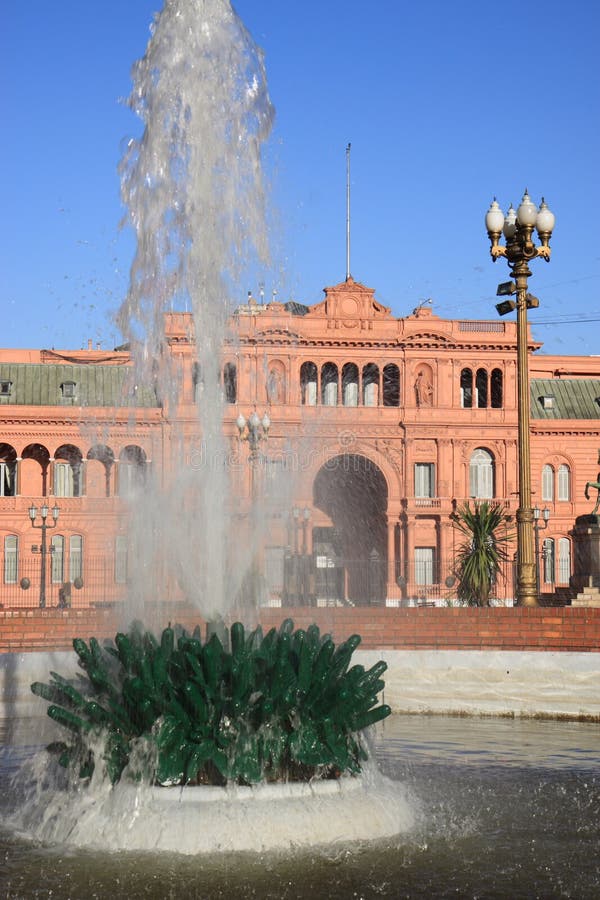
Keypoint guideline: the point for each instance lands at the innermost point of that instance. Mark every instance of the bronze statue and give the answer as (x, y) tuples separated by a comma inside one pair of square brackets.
[(596, 486)]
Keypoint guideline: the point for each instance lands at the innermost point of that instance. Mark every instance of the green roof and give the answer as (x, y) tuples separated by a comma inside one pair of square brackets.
[(28, 384), (566, 398)]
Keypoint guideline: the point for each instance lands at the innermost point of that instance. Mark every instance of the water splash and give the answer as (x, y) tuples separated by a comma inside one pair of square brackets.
[(207, 820), (195, 197)]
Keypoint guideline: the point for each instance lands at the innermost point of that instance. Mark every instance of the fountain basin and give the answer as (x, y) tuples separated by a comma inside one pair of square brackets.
[(198, 820)]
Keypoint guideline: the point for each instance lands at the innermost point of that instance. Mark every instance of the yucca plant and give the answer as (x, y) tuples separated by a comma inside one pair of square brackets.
[(284, 705), (479, 559)]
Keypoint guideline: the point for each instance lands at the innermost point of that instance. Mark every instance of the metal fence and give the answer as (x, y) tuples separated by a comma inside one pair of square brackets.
[(342, 582), (24, 586)]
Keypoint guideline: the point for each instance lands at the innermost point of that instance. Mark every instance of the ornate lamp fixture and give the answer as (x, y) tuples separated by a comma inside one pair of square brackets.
[(519, 249), (43, 548)]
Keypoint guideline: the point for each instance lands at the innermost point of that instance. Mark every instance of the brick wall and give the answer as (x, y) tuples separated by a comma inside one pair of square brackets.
[(543, 628)]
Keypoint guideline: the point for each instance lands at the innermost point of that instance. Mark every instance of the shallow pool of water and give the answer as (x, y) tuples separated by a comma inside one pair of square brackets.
[(506, 808)]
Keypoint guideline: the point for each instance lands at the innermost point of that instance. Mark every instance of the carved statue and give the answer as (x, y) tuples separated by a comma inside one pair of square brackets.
[(423, 390), (596, 486)]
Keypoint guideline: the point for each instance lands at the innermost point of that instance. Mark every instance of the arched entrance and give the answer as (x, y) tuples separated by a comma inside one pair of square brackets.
[(350, 531)]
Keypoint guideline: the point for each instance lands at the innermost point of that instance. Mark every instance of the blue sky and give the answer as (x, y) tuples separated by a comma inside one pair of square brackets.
[(445, 105)]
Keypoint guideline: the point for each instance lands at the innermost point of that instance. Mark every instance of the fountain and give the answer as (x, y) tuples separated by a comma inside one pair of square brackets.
[(507, 807), (182, 727), (265, 741)]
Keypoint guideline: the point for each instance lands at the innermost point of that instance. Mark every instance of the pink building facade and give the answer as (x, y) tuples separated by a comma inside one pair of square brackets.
[(383, 424)]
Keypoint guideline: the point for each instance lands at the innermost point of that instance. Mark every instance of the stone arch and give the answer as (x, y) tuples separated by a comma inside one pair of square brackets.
[(350, 492), (132, 469), (35, 464), (100, 464), (68, 471)]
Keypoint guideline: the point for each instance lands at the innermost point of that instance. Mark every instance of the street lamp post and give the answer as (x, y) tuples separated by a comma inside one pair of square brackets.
[(254, 430), (544, 514), (519, 249), (43, 548), (304, 575)]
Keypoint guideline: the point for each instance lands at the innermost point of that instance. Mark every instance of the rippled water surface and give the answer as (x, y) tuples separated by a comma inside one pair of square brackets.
[(505, 809)]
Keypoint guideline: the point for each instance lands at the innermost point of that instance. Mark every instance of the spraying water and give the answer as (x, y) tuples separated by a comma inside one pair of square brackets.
[(195, 197)]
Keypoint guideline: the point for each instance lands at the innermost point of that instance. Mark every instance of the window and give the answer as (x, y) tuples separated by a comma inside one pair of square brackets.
[(424, 565), (68, 472), (424, 480), (561, 480), (481, 475), (68, 390), (7, 479), (391, 385), (5, 388), (308, 383), (548, 560), (329, 384), (370, 377), (230, 382), (481, 388), (564, 482), (496, 388), (197, 382), (350, 384), (564, 560), (63, 480), (11, 559), (274, 569), (121, 561), (548, 483), (132, 470), (466, 389), (75, 557), (57, 555)]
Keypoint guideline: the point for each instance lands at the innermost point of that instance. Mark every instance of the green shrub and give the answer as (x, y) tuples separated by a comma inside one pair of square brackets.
[(281, 706)]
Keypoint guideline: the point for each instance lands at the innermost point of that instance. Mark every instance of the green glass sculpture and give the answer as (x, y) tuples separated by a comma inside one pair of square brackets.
[(280, 706)]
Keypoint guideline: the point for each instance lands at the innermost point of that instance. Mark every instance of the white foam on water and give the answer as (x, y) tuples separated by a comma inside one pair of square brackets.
[(208, 820)]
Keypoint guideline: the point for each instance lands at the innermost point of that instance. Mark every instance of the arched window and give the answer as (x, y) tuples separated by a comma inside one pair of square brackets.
[(370, 379), (496, 389), (35, 480), (329, 384), (106, 456), (350, 384), (11, 559), (481, 388), (391, 385), (308, 383), (8, 470), (132, 470), (230, 382), (75, 557), (548, 560), (68, 472), (564, 560), (564, 482), (57, 548), (548, 483), (481, 474), (466, 389), (197, 382)]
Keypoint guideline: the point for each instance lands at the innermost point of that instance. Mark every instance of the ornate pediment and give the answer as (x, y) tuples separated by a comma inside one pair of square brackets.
[(350, 305)]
